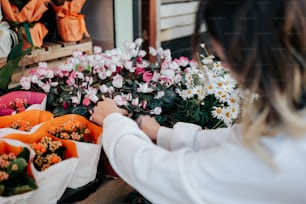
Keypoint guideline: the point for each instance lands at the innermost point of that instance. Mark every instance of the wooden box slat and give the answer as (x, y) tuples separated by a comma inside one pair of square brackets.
[(177, 9), (54, 53), (175, 21)]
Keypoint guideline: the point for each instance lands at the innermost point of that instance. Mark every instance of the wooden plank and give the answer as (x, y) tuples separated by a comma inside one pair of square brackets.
[(41, 55), (51, 45), (174, 1), (178, 32), (178, 9), (170, 22), (53, 51), (20, 72)]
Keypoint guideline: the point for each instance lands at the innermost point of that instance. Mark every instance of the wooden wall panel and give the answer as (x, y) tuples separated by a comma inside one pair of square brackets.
[(177, 20)]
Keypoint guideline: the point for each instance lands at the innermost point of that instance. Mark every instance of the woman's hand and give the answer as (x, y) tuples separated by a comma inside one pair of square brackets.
[(104, 108), (149, 125)]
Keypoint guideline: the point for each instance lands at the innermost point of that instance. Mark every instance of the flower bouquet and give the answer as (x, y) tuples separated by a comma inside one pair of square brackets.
[(25, 122), (70, 23), (17, 182), (19, 101), (23, 13), (54, 158), (86, 135), (171, 90)]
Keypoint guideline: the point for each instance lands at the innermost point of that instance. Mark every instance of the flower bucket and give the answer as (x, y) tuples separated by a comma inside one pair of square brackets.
[(89, 153), (30, 13), (13, 146), (70, 23), (54, 180), (35, 100), (28, 121)]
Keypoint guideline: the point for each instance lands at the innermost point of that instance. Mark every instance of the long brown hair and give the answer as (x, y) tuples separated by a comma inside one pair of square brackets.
[(265, 44)]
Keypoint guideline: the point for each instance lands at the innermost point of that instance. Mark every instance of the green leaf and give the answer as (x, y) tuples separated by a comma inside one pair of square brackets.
[(80, 110), (11, 65), (25, 153), (59, 111), (17, 165), (2, 188), (21, 189)]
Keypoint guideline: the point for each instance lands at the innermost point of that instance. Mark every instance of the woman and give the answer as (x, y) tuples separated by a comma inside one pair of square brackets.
[(263, 160)]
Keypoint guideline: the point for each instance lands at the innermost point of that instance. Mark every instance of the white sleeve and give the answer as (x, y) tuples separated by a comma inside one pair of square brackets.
[(192, 136), (217, 175), (145, 166)]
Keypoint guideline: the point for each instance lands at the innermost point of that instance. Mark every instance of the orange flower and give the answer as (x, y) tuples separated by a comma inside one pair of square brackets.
[(65, 135), (3, 176), (21, 125), (19, 105), (55, 159), (39, 148), (47, 152), (71, 130), (53, 130)]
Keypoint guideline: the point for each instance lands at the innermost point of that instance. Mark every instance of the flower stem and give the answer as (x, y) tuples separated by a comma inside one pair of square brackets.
[(217, 125)]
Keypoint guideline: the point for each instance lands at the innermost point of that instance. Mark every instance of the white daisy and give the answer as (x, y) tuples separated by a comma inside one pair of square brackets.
[(227, 116), (217, 112)]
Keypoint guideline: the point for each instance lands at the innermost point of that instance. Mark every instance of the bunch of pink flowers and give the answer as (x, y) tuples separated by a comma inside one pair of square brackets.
[(141, 86)]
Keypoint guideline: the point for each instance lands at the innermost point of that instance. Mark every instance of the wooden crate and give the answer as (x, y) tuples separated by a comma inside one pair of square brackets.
[(53, 53)]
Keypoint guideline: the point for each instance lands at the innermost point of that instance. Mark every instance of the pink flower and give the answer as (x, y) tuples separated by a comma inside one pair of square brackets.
[(76, 99), (152, 51), (70, 81), (21, 109), (46, 87), (65, 105), (97, 49), (86, 101), (157, 110), (91, 94), (184, 61), (41, 72), (117, 81), (135, 102), (139, 71), (147, 76), (25, 82), (43, 65), (121, 100), (73, 74), (139, 59), (193, 63), (144, 104), (144, 88)]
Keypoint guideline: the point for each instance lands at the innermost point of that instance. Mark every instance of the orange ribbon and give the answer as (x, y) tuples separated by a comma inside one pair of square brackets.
[(72, 28)]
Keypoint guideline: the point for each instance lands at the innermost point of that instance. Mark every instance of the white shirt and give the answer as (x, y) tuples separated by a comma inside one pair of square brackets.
[(190, 165)]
